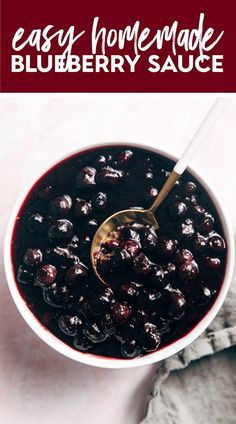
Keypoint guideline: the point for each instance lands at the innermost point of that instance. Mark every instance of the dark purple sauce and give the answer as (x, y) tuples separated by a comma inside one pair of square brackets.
[(176, 272)]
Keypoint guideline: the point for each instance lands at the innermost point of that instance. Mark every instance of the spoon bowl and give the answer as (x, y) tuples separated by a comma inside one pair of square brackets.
[(127, 216)]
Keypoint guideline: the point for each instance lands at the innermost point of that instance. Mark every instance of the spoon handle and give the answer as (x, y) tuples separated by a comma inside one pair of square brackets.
[(200, 135)]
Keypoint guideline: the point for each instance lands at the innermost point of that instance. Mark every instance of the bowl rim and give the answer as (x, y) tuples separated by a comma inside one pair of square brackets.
[(101, 361)]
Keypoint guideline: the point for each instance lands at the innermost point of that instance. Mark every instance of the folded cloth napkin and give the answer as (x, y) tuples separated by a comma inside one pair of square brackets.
[(198, 385)]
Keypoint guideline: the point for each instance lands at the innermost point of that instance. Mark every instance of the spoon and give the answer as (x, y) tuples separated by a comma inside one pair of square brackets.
[(146, 216)]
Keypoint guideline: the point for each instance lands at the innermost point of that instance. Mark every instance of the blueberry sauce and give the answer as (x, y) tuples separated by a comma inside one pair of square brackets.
[(162, 281)]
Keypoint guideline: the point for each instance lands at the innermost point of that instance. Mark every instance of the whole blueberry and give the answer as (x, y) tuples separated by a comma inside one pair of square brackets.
[(199, 244), (175, 303), (99, 200), (164, 174), (46, 275), (81, 342), (190, 187), (76, 274), (161, 322), (129, 291), (92, 225), (108, 292), (101, 160), (177, 210), (108, 324), (82, 208), (60, 206), (142, 266), (129, 233), (73, 246), (211, 264), (151, 193), (149, 337), (148, 239), (64, 295), (125, 157), (130, 349), (121, 312), (131, 246), (119, 258), (149, 299), (57, 296), (109, 177), (158, 277), (166, 246), (114, 261), (186, 229), (60, 230), (69, 324), (102, 302), (85, 245), (183, 255), (33, 257), (25, 275), (58, 255), (206, 224), (86, 178), (198, 211), (93, 331), (169, 270), (188, 271), (36, 224), (149, 176), (216, 244), (203, 296)]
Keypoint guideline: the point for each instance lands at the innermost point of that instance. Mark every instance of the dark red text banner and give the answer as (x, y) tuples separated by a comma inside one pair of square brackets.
[(121, 51)]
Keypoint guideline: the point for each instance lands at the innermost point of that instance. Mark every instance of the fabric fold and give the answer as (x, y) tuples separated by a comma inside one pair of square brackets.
[(188, 381)]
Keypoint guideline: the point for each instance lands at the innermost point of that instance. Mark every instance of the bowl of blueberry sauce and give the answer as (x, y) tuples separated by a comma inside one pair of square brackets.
[(164, 285)]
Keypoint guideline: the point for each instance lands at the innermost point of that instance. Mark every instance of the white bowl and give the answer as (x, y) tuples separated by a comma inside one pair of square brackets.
[(101, 361)]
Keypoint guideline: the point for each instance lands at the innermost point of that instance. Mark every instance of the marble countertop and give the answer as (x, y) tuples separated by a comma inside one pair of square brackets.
[(37, 384)]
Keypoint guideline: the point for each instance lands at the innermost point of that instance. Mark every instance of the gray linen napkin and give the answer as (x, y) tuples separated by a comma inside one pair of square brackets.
[(198, 385)]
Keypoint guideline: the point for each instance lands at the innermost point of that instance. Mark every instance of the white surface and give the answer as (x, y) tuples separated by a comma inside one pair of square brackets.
[(37, 384), (202, 133)]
